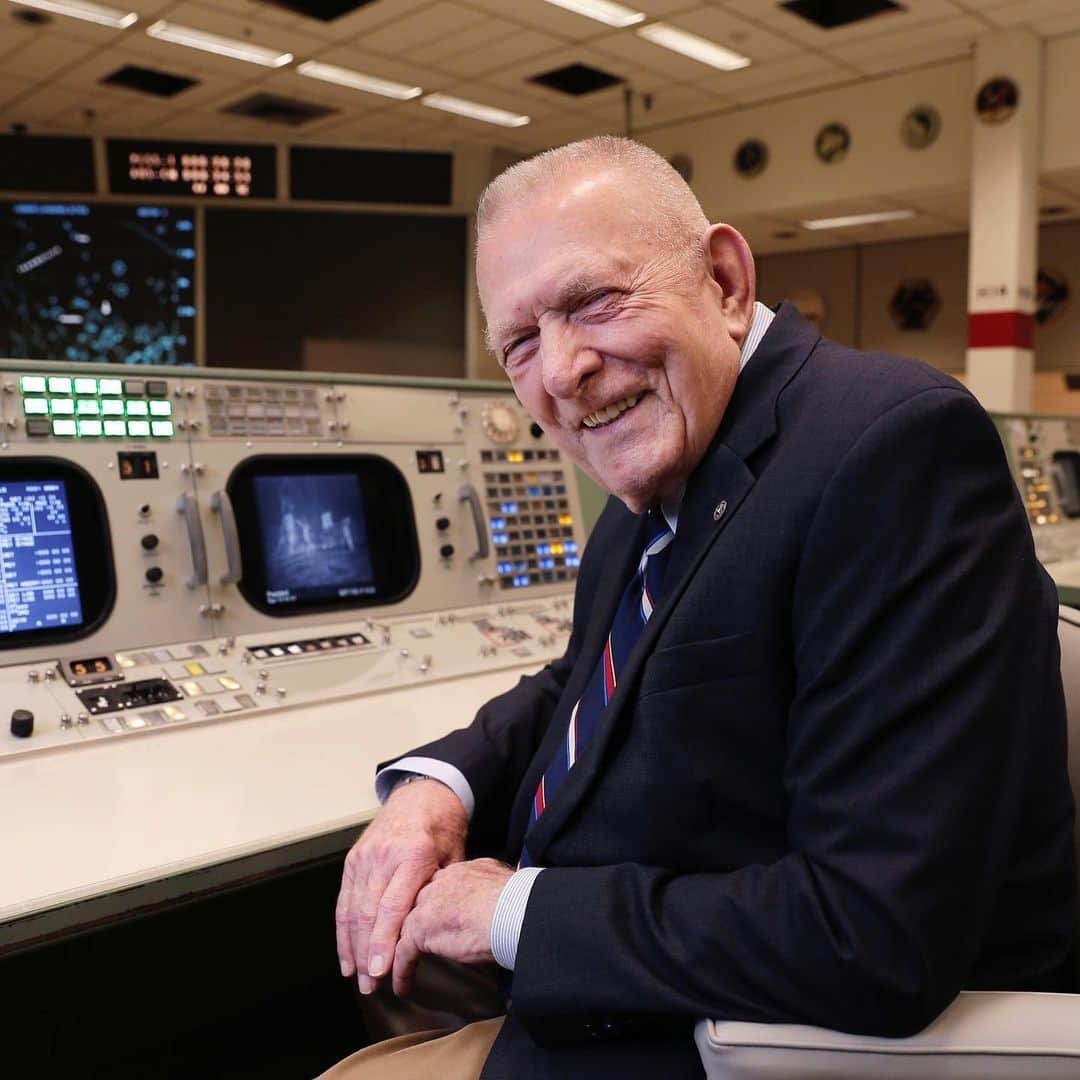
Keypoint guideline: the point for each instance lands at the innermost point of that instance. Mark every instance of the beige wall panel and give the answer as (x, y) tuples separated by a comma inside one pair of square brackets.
[(830, 272), (943, 261)]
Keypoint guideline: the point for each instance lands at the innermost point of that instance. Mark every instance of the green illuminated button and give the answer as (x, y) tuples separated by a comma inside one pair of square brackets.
[(138, 428), (87, 407), (59, 384), (86, 386), (112, 408), (35, 405), (32, 384), (89, 427), (161, 408), (62, 407), (112, 386), (64, 427), (136, 408), (161, 427), (115, 427)]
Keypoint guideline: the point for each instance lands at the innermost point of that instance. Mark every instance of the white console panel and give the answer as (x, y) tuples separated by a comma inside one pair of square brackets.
[(223, 689)]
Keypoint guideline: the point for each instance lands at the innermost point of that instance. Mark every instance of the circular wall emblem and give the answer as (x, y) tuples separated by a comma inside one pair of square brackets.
[(915, 304), (996, 100), (832, 143), (920, 127), (751, 157), (683, 165), (1051, 295)]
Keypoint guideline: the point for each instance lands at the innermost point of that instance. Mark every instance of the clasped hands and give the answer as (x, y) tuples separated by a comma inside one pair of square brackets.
[(406, 890)]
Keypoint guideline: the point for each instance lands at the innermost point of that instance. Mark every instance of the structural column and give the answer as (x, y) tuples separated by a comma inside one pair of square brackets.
[(1004, 219)]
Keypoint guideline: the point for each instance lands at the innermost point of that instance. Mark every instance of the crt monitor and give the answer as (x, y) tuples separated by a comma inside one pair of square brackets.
[(56, 573), (323, 532)]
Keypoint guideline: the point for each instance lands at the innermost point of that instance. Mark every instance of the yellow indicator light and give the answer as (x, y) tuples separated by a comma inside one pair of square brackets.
[(112, 386), (195, 668), (161, 428), (32, 384), (137, 408), (515, 457), (86, 386), (557, 549), (112, 408), (139, 428), (161, 408), (35, 406), (115, 427), (62, 406), (174, 713), (88, 407), (191, 688), (59, 384), (64, 427), (89, 427), (228, 682), (566, 519)]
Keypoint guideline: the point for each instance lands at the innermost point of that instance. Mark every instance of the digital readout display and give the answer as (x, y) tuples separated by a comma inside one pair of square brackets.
[(213, 170)]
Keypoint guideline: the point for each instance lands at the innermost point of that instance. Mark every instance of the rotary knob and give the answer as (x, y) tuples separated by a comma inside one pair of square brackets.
[(22, 723), (149, 541)]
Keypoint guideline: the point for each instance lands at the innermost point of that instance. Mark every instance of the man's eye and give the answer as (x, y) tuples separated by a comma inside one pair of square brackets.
[(516, 347)]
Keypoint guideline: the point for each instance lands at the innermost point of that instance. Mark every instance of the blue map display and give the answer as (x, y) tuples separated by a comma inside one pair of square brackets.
[(39, 586), (97, 282)]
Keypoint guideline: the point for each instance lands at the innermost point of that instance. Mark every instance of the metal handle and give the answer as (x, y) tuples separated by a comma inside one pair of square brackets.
[(468, 494), (221, 504), (187, 506)]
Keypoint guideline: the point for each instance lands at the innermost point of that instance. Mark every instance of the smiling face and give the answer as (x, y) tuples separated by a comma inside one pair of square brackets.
[(625, 353)]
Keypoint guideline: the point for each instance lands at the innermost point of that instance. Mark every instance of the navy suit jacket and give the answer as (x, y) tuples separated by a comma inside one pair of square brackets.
[(831, 785)]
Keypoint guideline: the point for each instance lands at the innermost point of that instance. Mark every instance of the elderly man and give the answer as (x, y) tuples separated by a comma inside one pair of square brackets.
[(804, 758)]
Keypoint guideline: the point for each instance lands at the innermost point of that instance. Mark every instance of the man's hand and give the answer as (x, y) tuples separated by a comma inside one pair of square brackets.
[(421, 828), (451, 918)]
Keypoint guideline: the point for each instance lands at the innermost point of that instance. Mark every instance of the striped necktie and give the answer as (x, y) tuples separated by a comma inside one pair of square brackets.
[(635, 607)]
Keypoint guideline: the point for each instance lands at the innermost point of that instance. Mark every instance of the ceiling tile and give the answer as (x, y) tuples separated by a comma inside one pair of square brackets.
[(397, 70), (778, 71), (734, 32), (1027, 12), (46, 56), (365, 19), (270, 35), (41, 105), (1057, 26), (643, 55), (474, 37), (520, 48), (429, 24)]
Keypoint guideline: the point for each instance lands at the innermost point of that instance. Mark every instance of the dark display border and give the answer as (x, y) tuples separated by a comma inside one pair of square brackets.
[(388, 515), (91, 540)]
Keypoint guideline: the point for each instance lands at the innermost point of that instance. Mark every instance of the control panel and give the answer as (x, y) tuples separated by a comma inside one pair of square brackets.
[(185, 547), (1044, 453)]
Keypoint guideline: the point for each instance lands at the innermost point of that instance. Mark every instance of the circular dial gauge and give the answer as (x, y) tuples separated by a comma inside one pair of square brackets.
[(499, 422)]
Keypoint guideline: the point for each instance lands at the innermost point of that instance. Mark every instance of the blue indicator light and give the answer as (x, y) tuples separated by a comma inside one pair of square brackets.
[(500, 538), (509, 508), (570, 546), (534, 491)]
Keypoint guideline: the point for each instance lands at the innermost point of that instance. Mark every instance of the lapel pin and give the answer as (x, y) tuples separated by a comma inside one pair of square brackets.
[(718, 510)]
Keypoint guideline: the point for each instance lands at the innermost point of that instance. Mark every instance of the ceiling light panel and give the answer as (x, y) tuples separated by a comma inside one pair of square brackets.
[(851, 220), (356, 80), (215, 43), (693, 46), (475, 111), (116, 18), (605, 11)]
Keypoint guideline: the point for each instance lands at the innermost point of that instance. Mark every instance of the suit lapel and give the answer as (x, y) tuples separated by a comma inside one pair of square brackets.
[(716, 490)]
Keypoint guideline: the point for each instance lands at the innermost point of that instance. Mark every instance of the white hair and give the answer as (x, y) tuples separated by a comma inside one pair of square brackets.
[(674, 220)]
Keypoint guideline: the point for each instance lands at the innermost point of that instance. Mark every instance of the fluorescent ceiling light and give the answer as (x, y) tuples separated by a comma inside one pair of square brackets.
[(857, 219), (604, 11), (116, 18), (223, 46), (356, 81), (475, 111), (697, 48)]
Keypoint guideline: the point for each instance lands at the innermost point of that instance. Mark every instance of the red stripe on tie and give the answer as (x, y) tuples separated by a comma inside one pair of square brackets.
[(1001, 330), (538, 799), (609, 671)]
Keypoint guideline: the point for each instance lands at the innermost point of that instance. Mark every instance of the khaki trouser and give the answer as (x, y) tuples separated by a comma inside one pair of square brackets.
[(446, 1054)]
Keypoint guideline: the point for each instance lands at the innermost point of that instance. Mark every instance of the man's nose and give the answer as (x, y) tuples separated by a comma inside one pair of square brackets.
[(567, 361)]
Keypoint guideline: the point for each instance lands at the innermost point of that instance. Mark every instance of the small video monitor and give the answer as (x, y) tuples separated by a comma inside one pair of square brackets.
[(56, 573), (323, 532)]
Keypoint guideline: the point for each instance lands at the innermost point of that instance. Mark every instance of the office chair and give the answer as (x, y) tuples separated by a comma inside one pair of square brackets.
[(982, 1035)]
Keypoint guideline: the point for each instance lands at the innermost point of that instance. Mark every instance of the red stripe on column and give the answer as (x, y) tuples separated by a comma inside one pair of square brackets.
[(1001, 330)]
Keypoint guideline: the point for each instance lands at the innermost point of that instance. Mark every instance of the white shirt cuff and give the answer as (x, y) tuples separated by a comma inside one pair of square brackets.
[(452, 777), (509, 915)]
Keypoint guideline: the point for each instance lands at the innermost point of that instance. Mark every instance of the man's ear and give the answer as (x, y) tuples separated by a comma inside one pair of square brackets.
[(732, 267)]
